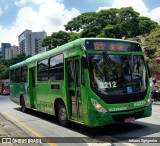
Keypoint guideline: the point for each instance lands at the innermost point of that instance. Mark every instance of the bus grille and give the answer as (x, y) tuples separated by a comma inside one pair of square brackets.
[(113, 99)]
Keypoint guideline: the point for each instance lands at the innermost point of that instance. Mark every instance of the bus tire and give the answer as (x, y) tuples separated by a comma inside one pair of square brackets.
[(23, 107), (62, 114)]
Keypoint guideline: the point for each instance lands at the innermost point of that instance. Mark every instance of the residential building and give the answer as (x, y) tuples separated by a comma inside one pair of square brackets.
[(7, 53), (14, 51), (30, 42), (11, 52), (3, 47)]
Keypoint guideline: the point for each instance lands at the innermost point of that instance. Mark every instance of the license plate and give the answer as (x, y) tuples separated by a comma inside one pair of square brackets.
[(127, 120)]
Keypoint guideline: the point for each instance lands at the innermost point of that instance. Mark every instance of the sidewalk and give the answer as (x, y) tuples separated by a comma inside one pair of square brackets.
[(9, 129), (156, 102)]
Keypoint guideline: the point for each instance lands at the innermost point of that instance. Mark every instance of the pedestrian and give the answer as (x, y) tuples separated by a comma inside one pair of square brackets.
[(154, 90)]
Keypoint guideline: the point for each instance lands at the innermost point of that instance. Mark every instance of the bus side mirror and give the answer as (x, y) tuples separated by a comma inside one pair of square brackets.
[(84, 62)]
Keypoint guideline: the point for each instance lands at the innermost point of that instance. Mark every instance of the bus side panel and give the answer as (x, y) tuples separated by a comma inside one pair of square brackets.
[(46, 95), (17, 89)]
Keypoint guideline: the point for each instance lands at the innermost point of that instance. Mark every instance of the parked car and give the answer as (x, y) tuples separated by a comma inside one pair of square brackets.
[(4, 87)]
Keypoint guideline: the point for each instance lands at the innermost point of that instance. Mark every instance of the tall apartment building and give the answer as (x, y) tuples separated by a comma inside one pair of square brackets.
[(30, 42), (11, 52), (3, 47)]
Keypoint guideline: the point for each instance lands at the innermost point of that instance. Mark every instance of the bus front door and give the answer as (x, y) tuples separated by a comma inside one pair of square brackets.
[(32, 88), (74, 90)]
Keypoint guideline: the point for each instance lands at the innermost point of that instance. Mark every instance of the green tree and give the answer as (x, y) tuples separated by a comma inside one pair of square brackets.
[(59, 38), (82, 21), (124, 22), (47, 42), (146, 25), (4, 65), (115, 23), (111, 31), (73, 36), (91, 31), (128, 21), (107, 17), (4, 71), (17, 59)]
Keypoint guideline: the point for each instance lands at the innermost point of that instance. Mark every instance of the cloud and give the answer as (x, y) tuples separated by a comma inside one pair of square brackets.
[(1, 12), (9, 35), (23, 2), (6, 7), (137, 5), (51, 16), (154, 14), (20, 2)]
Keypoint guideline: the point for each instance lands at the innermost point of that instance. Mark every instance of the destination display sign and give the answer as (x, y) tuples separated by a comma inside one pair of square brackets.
[(111, 45)]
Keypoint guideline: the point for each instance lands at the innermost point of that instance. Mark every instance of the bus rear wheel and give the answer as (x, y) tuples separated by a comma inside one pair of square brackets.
[(23, 107), (62, 114)]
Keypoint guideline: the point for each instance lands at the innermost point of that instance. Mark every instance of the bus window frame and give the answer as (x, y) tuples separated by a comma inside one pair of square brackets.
[(40, 71), (49, 68)]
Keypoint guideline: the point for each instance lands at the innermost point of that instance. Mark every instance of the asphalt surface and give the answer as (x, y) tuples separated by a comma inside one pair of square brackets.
[(10, 129)]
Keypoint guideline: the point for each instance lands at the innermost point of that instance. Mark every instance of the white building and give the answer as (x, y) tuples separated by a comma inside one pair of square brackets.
[(30, 42), (11, 52), (14, 51), (7, 53)]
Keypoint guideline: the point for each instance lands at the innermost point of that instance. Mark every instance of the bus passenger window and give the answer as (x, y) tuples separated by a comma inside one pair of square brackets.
[(42, 73), (12, 76), (24, 73), (56, 68), (18, 75)]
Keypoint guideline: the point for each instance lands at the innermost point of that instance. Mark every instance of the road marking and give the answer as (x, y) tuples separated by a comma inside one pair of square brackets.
[(125, 143), (99, 144), (47, 140), (108, 144), (129, 144), (30, 129)]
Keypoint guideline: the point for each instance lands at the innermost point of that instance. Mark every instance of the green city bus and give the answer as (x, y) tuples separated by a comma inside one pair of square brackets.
[(90, 81)]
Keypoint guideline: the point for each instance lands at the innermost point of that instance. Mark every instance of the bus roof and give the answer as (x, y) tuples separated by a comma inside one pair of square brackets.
[(62, 48)]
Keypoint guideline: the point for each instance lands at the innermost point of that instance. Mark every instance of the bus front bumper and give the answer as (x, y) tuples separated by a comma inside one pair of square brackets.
[(100, 119)]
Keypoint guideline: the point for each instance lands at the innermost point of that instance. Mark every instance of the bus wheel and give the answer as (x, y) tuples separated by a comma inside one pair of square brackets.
[(23, 107), (62, 114)]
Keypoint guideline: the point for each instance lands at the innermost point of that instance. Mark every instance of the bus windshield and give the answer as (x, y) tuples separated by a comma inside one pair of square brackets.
[(6, 84), (117, 74)]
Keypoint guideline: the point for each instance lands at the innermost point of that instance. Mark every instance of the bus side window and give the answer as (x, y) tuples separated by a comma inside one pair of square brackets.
[(56, 68), (24, 73), (12, 72), (42, 70), (18, 75)]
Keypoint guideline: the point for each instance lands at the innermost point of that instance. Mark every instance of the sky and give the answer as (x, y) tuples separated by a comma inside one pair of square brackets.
[(51, 15)]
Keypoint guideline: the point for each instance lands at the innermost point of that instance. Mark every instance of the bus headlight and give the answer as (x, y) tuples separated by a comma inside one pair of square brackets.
[(98, 106), (149, 100)]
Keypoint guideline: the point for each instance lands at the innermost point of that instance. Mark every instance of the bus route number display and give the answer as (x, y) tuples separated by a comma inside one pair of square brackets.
[(108, 85), (111, 47), (116, 47), (99, 46)]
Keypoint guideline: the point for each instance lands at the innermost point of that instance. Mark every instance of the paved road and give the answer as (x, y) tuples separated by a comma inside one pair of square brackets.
[(37, 124)]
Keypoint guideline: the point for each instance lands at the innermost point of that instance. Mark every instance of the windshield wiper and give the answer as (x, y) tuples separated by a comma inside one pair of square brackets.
[(111, 63)]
